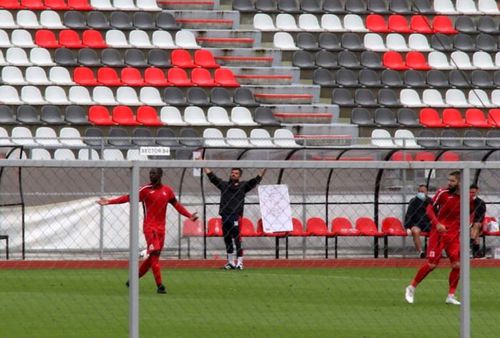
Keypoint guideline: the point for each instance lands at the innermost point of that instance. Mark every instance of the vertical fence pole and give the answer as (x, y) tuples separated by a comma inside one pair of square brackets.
[(133, 255), (464, 255)]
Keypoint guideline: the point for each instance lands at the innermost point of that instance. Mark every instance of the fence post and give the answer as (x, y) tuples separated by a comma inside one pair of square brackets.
[(133, 276), (464, 255)]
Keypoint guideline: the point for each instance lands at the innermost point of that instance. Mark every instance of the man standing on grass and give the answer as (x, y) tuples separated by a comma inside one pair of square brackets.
[(444, 213), (477, 220), (155, 198), (232, 202)]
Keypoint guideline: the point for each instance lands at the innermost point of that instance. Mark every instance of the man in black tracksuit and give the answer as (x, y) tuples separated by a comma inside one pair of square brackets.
[(232, 202), (477, 222)]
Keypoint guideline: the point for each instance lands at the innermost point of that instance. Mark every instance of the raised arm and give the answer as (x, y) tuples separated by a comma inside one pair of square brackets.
[(117, 200), (214, 179), (250, 184)]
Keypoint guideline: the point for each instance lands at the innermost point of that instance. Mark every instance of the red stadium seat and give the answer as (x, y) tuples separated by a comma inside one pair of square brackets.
[(401, 155), (367, 227), (443, 24), (298, 228), (124, 116), (316, 226), (246, 228), (70, 39), (192, 228), (417, 61), (394, 60), (202, 77), (398, 23), (425, 156), (93, 39), (178, 77), (376, 23), (475, 118), (108, 77), (453, 118), (32, 4), (10, 4), (57, 5), (155, 77), (131, 76), (341, 226), (80, 5), (46, 38), (99, 115), (486, 232), (429, 117), (148, 116), (182, 58), (494, 117), (391, 226), (205, 59), (84, 76), (260, 231), (421, 24), (450, 156), (225, 77), (214, 227)]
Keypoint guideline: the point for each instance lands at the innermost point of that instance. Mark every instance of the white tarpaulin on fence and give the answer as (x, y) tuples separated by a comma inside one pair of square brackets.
[(275, 208)]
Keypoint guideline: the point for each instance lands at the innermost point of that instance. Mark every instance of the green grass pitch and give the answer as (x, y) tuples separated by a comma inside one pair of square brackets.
[(351, 302)]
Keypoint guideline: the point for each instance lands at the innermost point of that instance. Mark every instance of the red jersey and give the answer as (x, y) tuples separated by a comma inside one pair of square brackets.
[(445, 209), (155, 201)]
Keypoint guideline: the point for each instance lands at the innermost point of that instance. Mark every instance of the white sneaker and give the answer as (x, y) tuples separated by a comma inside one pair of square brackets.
[(409, 294), (452, 300), (239, 266)]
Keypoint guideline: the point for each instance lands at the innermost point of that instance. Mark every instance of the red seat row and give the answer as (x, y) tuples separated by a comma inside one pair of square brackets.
[(70, 39), (152, 76), (124, 115), (202, 58), (426, 156), (57, 5), (418, 24), (451, 117), (315, 226), (414, 60)]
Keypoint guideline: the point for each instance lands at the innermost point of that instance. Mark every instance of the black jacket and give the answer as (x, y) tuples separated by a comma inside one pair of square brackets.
[(479, 211), (232, 198), (416, 214)]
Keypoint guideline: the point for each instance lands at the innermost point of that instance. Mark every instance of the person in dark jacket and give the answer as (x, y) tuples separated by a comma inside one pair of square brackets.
[(416, 220), (232, 202), (477, 222)]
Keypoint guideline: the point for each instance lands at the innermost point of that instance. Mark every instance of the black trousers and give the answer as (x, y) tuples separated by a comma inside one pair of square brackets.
[(231, 231)]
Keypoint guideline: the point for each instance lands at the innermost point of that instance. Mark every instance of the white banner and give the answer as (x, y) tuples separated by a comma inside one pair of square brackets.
[(275, 208)]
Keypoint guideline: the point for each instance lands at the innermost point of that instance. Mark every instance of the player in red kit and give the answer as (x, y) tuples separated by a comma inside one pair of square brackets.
[(155, 197), (444, 214)]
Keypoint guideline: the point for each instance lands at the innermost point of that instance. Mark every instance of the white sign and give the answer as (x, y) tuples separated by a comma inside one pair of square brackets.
[(197, 156), (154, 151), (275, 208)]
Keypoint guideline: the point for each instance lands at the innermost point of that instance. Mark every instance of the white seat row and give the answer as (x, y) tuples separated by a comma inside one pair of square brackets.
[(28, 19), (18, 38), (236, 137), (81, 96), (468, 7), (125, 5), (44, 137), (36, 75), (453, 98), (64, 154), (218, 116), (159, 39), (19, 57), (309, 22), (461, 60), (397, 42), (402, 138)]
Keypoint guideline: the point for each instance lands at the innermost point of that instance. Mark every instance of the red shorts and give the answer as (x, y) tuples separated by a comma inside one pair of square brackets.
[(154, 240), (439, 242)]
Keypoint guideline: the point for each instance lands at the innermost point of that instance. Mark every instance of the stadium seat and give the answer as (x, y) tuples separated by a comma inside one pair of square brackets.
[(394, 60), (329, 42), (405, 138), (367, 227), (416, 60), (197, 96), (429, 117), (150, 96), (341, 226), (385, 117), (401, 155), (307, 41), (84, 76), (155, 77), (214, 227), (244, 97), (331, 23), (93, 39), (247, 228), (46, 39), (453, 118), (75, 115), (118, 137), (398, 24), (221, 97), (143, 136), (407, 117), (40, 57), (186, 39), (421, 24), (225, 77), (202, 77), (443, 24), (396, 42), (27, 114), (361, 117), (450, 156), (425, 156), (286, 22), (131, 77), (192, 228), (316, 226), (376, 23), (127, 96), (450, 139), (205, 59), (195, 116), (382, 138), (148, 116), (99, 115), (70, 39), (181, 58), (218, 116), (51, 114)]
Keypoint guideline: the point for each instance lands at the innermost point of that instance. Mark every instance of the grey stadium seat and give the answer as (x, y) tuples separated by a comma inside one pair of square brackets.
[(197, 96), (352, 41), (437, 79), (75, 20), (119, 137), (120, 21), (173, 96), (442, 42), (493, 134), (433, 142), (356, 6), (112, 57), (369, 78), (465, 24), (385, 117), (307, 41), (166, 21), (167, 138), (342, 97), (362, 117), (144, 21), (423, 6), (311, 6), (392, 78), (378, 6), (303, 59), (51, 114), (27, 114), (486, 24), (464, 42), (65, 57), (370, 59), (265, 117), (88, 57), (75, 115), (348, 59), (388, 98), (482, 79), (400, 7), (408, 118), (143, 136), (323, 77), (329, 41), (266, 6), (7, 115), (192, 139), (159, 58), (486, 42), (346, 78), (459, 79), (334, 6), (244, 97), (468, 139), (243, 6), (221, 97), (94, 137), (453, 143), (135, 57), (365, 97), (289, 6), (97, 20)]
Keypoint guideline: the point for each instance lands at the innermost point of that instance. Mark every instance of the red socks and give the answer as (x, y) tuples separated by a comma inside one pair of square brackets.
[(453, 279), (421, 274), (155, 265)]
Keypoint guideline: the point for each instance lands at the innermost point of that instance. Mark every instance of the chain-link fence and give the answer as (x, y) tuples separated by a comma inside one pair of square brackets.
[(310, 241)]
